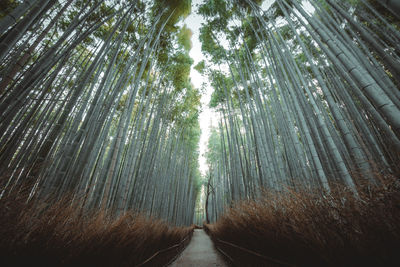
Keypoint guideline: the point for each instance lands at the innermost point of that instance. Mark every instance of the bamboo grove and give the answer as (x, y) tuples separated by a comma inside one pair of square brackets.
[(83, 93), (308, 96)]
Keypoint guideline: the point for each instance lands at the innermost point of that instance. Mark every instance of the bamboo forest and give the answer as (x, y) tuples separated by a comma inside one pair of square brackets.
[(199, 133)]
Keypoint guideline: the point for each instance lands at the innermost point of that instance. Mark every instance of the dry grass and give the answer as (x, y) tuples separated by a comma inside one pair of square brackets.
[(304, 229), (60, 235)]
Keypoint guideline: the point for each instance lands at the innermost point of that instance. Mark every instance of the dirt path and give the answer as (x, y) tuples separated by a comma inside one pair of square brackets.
[(200, 252)]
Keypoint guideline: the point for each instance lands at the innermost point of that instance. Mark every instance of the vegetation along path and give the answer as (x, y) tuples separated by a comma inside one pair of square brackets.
[(200, 252)]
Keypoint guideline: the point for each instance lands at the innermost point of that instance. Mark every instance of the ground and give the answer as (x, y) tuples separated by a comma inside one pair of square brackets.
[(200, 252)]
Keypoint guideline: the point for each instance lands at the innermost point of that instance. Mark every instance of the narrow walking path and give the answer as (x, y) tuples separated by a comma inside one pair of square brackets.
[(200, 252)]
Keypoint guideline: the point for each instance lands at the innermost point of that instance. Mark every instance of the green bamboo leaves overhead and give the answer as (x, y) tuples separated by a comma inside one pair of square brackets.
[(308, 93), (96, 102)]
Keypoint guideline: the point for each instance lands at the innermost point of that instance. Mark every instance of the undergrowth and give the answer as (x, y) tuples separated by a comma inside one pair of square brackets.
[(59, 234), (305, 229)]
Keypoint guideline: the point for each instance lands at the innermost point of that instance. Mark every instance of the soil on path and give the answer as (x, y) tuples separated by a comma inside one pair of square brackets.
[(200, 252)]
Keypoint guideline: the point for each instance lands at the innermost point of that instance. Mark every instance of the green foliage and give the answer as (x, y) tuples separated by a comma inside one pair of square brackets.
[(209, 44), (213, 147), (301, 58), (184, 38), (200, 67), (122, 102), (245, 6), (180, 70), (185, 110), (286, 32), (219, 95), (173, 10), (214, 8), (218, 13)]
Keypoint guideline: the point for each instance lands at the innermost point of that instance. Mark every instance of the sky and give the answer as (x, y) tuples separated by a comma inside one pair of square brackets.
[(207, 117)]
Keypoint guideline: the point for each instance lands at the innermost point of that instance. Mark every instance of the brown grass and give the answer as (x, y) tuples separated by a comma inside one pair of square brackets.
[(304, 229), (59, 234)]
